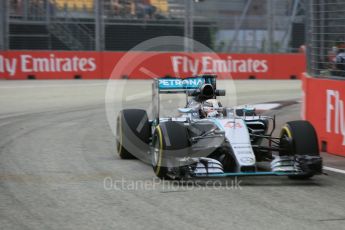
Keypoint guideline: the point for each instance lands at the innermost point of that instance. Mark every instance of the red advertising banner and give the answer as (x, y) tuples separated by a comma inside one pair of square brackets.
[(145, 65), (324, 107), (50, 65)]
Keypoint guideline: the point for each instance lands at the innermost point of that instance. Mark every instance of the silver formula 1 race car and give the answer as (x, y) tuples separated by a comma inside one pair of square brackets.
[(208, 140)]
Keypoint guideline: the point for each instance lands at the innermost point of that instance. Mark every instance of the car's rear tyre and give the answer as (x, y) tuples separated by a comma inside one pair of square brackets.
[(132, 133), (300, 138), (170, 140)]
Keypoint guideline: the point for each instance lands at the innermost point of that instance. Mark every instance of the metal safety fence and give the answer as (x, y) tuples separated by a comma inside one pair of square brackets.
[(241, 26), (326, 38)]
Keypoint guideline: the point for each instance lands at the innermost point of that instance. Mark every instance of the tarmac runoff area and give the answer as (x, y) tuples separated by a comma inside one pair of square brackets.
[(59, 168)]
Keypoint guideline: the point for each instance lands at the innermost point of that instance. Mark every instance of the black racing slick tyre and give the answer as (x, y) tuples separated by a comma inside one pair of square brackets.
[(170, 140), (132, 133), (301, 139)]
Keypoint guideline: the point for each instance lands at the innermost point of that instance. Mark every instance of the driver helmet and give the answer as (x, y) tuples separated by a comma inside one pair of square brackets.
[(211, 107)]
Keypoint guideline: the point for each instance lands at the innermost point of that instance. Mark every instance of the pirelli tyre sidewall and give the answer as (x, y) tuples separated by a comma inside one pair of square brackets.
[(132, 133), (170, 141), (302, 140)]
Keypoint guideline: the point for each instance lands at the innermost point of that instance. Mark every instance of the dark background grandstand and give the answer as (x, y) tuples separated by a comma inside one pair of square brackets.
[(225, 26)]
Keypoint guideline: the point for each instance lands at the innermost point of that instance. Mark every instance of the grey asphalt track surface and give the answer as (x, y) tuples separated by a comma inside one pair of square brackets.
[(59, 170)]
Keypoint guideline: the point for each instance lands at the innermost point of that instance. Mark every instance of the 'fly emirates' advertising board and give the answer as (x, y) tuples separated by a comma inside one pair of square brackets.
[(324, 107), (146, 65)]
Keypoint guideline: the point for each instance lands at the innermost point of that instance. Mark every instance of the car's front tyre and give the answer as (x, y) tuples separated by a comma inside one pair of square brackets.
[(299, 138), (170, 141)]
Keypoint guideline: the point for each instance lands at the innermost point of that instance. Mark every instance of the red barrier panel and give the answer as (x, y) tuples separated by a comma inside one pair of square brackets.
[(50, 65), (144, 65), (324, 107)]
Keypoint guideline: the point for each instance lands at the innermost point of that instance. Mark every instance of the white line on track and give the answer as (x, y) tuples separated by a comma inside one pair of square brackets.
[(4, 123), (138, 96), (266, 106), (334, 170)]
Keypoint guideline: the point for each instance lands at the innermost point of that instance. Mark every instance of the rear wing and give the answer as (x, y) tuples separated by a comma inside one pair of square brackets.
[(176, 85)]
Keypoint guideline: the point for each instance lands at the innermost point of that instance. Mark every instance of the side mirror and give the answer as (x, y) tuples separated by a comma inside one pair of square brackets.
[(186, 110)]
